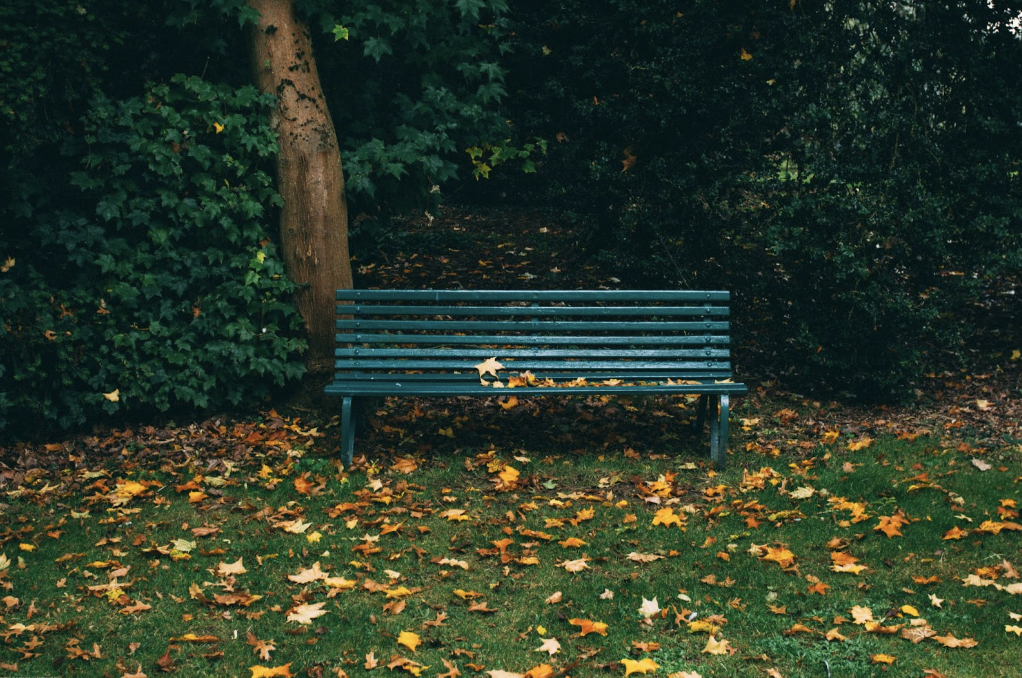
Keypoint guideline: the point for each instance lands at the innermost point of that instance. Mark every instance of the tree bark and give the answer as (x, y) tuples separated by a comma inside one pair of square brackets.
[(314, 218)]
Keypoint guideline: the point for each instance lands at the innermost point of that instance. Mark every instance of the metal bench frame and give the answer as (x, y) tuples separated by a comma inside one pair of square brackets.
[(428, 342)]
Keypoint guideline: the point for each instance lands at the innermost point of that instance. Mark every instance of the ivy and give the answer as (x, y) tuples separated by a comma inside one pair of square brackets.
[(161, 282)]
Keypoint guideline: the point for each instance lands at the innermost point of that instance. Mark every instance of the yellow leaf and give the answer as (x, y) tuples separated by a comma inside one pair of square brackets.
[(643, 666), (714, 646), (314, 537), (572, 542), (909, 610), (883, 659), (409, 640), (1017, 630), (218, 127), (113, 396), (860, 444), (667, 517), (26, 547), (9, 264), (192, 638), (266, 672), (489, 366), (746, 56), (1015, 354)]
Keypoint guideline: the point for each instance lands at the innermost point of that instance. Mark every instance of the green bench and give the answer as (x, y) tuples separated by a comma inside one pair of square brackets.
[(435, 342)]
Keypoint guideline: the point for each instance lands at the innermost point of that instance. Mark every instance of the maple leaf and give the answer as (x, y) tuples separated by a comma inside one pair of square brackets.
[(649, 607), (950, 641), (263, 648), (371, 661), (306, 612), (309, 575), (714, 646), (890, 525), (497, 673), (860, 444), (1010, 628), (643, 666), (588, 626), (834, 634), (554, 598), (265, 672), (667, 517), (489, 366), (453, 671), (861, 615), (917, 634), (643, 557), (572, 542), (575, 566), (883, 659), (409, 640), (237, 567), (550, 646), (303, 485), (404, 465), (955, 533), (541, 671), (782, 556)]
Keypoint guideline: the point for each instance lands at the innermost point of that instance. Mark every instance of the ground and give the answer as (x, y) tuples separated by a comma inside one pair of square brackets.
[(558, 537)]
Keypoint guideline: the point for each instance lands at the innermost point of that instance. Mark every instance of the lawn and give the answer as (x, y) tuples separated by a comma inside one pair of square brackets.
[(580, 537)]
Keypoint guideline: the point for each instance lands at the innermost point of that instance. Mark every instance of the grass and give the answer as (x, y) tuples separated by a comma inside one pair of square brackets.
[(79, 525)]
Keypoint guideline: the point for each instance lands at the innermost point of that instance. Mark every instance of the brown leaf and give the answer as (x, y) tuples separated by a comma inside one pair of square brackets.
[(950, 641)]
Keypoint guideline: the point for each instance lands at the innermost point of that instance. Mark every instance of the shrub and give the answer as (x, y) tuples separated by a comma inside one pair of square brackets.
[(158, 285)]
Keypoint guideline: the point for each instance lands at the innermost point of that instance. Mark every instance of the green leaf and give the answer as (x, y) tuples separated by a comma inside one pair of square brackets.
[(340, 32)]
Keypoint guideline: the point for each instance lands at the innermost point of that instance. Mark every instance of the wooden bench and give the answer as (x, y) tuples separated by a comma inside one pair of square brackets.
[(438, 342)]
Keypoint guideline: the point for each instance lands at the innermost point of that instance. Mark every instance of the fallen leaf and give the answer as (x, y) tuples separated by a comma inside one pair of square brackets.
[(550, 645), (642, 666), (265, 672), (588, 626), (409, 640), (306, 612), (950, 641)]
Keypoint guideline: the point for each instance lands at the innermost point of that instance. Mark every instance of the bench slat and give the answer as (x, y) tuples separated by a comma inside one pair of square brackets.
[(544, 295), (533, 364), (532, 340), (535, 311), (668, 355), (654, 376), (457, 389), (534, 327)]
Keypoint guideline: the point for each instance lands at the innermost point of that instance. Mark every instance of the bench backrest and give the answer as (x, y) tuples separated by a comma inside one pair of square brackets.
[(442, 335)]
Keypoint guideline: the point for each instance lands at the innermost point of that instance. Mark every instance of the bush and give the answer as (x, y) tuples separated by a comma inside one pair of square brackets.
[(158, 285), (851, 171)]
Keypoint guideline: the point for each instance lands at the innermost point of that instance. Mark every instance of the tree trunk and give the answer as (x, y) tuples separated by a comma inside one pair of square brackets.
[(314, 219)]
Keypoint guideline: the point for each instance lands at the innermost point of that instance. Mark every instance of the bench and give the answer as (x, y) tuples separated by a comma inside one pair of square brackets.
[(441, 342)]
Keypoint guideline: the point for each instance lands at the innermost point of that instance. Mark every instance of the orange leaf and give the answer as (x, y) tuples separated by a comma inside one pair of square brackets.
[(588, 626), (265, 672)]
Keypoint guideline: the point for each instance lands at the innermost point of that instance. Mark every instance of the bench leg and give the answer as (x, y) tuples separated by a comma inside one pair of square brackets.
[(697, 425), (718, 448), (714, 429), (347, 432)]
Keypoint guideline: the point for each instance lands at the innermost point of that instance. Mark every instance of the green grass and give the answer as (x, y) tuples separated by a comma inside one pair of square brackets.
[(709, 567)]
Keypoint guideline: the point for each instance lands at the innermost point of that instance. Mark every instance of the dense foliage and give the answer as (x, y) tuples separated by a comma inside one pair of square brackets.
[(138, 215), (851, 170), (158, 285)]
